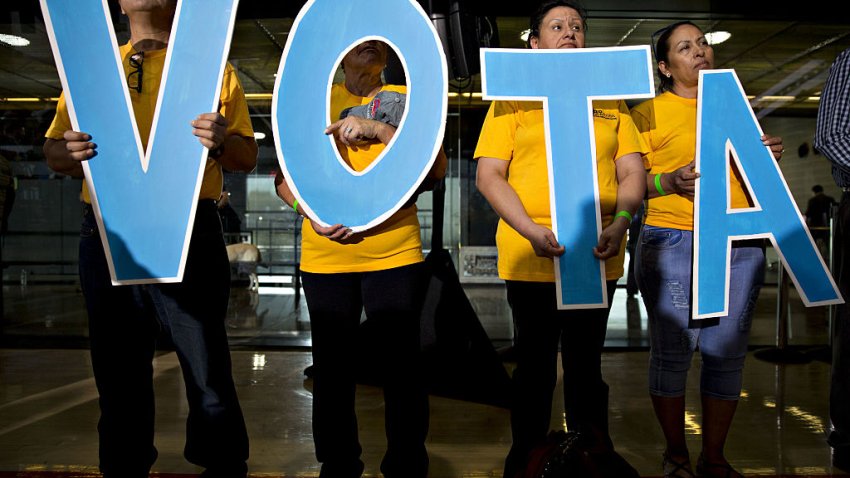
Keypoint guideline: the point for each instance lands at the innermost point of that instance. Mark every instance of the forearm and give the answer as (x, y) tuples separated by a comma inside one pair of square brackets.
[(630, 192), (239, 154), (384, 132), (59, 159), (505, 201)]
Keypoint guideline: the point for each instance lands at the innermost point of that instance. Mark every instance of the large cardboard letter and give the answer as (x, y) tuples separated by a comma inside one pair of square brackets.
[(144, 200), (566, 81), (327, 188), (727, 126)]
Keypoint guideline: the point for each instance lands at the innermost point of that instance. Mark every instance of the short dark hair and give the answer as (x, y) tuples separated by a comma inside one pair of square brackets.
[(537, 18), (817, 188), (660, 42)]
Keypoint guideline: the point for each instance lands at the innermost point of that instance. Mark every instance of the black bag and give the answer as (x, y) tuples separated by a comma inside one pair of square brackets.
[(576, 455)]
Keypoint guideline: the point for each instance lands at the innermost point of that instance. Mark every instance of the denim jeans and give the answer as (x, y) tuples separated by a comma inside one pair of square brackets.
[(124, 322), (540, 329), (392, 300), (664, 276)]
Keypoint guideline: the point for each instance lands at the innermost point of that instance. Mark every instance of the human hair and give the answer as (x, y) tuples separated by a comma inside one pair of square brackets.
[(537, 18), (660, 43), (817, 188)]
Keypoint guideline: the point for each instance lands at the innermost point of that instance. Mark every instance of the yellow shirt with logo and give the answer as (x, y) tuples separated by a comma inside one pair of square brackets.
[(668, 124), (514, 131), (233, 107), (393, 243)]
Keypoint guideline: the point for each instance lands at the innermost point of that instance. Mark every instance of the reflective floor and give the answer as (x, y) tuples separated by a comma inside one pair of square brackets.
[(48, 407)]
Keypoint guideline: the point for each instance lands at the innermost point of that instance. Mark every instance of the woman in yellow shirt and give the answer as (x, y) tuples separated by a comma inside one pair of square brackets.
[(513, 176), (664, 263), (379, 270)]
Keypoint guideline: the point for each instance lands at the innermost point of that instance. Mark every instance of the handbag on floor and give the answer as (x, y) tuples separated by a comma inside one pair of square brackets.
[(576, 455)]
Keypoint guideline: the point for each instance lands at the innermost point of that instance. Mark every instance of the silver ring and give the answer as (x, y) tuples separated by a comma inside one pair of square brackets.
[(347, 130)]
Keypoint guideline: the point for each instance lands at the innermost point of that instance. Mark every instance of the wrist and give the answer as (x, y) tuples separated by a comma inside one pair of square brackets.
[(217, 152), (660, 187)]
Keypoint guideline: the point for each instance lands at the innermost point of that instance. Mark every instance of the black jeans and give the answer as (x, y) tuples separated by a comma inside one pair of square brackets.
[(839, 395), (392, 300), (124, 322), (540, 328)]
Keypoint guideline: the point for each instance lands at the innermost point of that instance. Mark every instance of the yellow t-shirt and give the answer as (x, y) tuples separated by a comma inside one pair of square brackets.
[(514, 131), (668, 124), (233, 107), (394, 243)]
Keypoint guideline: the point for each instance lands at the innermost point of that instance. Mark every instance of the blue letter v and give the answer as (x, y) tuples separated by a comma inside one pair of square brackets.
[(145, 201)]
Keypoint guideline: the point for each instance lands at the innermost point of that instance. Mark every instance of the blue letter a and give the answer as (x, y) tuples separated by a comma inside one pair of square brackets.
[(145, 203), (726, 125)]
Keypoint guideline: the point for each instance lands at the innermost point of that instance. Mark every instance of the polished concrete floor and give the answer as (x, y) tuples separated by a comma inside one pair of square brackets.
[(48, 406)]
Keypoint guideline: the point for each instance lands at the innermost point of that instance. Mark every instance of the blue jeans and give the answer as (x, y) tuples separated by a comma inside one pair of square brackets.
[(124, 322), (664, 276)]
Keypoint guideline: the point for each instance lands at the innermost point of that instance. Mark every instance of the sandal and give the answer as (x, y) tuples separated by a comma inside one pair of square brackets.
[(676, 469), (711, 470)]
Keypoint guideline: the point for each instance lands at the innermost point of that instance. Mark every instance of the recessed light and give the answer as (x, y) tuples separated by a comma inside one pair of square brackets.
[(13, 40), (259, 135), (716, 38)]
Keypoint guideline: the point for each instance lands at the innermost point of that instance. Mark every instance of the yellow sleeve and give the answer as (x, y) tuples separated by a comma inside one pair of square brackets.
[(61, 122), (234, 107), (498, 132), (641, 116), (629, 139)]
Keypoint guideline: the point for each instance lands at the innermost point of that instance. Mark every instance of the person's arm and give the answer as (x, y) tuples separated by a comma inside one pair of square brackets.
[(66, 155), (630, 193), (337, 232), (491, 180), (353, 131), (234, 153), (681, 181), (832, 133)]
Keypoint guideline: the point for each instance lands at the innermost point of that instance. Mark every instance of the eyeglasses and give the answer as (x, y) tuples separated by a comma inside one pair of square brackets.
[(655, 36), (134, 78)]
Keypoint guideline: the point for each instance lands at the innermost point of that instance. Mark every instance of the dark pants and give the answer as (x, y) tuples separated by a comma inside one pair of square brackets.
[(839, 396), (124, 322), (392, 300), (540, 328)]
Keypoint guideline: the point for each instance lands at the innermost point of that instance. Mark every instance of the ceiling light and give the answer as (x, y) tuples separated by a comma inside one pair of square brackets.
[(13, 40), (259, 135), (716, 38), (523, 35)]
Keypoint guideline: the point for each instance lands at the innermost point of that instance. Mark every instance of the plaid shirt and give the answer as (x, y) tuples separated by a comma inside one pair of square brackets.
[(832, 135)]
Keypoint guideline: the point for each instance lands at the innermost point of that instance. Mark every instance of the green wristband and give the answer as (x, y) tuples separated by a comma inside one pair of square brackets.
[(624, 214), (658, 185), (295, 206)]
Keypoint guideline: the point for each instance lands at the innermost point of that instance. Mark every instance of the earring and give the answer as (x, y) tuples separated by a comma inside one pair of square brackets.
[(668, 75)]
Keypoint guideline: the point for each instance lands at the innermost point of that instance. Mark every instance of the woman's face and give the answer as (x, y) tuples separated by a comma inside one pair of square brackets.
[(562, 27), (689, 53), (369, 55)]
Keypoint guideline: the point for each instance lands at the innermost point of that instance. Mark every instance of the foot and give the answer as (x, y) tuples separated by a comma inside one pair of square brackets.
[(718, 469), (676, 466)]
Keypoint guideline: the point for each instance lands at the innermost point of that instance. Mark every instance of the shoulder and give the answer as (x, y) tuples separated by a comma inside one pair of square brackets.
[(396, 88)]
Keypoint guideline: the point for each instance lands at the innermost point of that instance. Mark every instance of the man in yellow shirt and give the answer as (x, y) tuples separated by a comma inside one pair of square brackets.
[(124, 321)]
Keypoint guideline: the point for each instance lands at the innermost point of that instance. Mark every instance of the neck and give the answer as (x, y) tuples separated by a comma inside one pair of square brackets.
[(684, 91), (149, 31), (363, 83)]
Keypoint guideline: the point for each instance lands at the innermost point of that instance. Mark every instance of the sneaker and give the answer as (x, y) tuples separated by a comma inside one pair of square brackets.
[(676, 469)]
